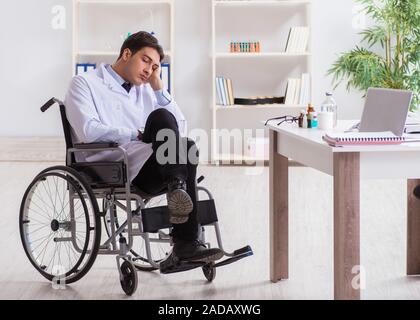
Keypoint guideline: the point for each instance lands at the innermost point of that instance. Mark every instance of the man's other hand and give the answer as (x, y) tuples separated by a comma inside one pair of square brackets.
[(140, 135)]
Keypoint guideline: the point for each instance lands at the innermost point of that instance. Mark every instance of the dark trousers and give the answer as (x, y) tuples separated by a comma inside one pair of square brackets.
[(153, 177)]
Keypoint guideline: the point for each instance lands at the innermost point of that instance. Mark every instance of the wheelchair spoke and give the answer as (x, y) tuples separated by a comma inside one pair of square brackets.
[(53, 255), (63, 208), (72, 259), (46, 238), (45, 249), (58, 192), (55, 196), (38, 229), (33, 219), (45, 204), (42, 215), (59, 254), (77, 239), (49, 195)]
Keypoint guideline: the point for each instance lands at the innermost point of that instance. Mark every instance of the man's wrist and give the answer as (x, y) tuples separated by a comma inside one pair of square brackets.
[(156, 84), (163, 97), (139, 135)]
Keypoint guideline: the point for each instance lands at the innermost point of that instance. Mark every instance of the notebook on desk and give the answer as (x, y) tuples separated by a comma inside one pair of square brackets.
[(362, 138)]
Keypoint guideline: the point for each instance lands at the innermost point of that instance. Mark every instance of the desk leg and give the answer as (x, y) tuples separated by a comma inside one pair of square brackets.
[(346, 225), (279, 212), (413, 229)]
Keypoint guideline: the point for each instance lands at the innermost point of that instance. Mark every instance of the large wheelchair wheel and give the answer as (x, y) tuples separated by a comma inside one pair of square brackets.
[(59, 224), (159, 242)]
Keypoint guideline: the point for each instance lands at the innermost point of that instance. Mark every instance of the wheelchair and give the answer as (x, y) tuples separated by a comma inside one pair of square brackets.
[(65, 209)]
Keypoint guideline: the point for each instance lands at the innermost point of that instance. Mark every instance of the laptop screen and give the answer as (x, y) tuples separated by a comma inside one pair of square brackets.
[(385, 110)]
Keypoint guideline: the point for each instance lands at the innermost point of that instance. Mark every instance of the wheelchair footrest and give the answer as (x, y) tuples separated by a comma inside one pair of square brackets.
[(237, 255), (173, 265)]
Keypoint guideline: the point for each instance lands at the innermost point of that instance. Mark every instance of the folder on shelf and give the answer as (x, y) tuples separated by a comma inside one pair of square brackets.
[(84, 67), (165, 75), (219, 100), (224, 91), (230, 91), (221, 90)]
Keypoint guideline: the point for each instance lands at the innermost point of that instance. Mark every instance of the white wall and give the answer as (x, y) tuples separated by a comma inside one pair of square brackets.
[(36, 61)]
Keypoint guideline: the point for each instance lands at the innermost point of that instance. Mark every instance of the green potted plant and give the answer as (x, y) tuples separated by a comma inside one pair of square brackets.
[(397, 30)]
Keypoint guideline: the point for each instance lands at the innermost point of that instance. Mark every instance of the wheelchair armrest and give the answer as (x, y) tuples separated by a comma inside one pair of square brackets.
[(95, 145), (98, 147)]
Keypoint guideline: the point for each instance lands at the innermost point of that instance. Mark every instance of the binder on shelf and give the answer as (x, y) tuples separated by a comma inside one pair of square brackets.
[(220, 86), (362, 138), (84, 67), (224, 91), (219, 100), (165, 75), (230, 91)]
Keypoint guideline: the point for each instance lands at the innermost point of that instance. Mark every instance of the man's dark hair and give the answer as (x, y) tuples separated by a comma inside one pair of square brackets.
[(140, 40)]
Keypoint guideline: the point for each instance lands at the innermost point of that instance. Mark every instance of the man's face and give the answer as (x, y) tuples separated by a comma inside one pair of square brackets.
[(140, 66)]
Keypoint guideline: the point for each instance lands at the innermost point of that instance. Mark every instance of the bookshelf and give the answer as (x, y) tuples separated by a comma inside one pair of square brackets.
[(101, 26), (254, 74)]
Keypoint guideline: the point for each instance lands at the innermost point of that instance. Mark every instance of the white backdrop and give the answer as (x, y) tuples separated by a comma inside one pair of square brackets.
[(35, 61)]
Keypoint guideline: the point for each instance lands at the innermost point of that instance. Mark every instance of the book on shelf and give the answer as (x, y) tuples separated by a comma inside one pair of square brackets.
[(224, 91), (290, 91), (362, 138), (305, 90), (298, 90), (297, 40)]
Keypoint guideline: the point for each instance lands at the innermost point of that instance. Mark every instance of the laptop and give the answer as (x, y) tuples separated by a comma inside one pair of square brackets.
[(385, 110)]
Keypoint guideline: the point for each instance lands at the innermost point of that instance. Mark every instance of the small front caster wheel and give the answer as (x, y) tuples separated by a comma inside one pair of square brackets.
[(129, 278)]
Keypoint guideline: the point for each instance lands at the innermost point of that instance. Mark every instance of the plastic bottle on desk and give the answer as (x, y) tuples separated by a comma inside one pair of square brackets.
[(309, 113), (314, 120), (329, 105)]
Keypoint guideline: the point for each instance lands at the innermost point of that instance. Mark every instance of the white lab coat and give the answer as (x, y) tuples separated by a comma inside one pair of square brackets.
[(100, 110)]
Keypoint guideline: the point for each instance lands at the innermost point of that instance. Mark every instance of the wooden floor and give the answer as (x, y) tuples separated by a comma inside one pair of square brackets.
[(241, 195)]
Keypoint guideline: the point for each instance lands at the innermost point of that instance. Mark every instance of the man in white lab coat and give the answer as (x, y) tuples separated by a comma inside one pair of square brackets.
[(113, 104)]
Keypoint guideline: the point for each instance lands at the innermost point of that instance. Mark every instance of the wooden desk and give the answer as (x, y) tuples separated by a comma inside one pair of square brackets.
[(347, 165)]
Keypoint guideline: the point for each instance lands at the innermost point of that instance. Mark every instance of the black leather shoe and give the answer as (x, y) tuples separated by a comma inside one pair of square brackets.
[(179, 202), (195, 251)]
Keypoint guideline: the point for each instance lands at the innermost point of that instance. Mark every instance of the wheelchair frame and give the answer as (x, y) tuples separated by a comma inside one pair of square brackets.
[(121, 196)]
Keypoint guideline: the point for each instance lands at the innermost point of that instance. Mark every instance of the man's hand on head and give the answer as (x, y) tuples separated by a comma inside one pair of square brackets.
[(154, 80)]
